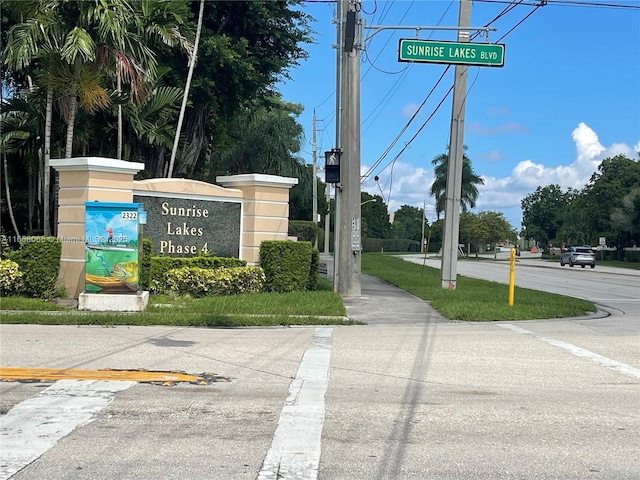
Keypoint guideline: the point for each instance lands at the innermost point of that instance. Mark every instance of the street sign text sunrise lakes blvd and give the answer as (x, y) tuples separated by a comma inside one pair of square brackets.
[(456, 53)]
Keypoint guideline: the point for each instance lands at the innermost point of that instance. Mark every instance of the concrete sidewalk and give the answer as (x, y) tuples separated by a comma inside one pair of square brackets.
[(384, 304)]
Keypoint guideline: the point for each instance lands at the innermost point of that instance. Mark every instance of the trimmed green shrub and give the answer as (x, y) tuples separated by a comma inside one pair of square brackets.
[(304, 230), (10, 277), (286, 265), (200, 282), (39, 261), (160, 265), (395, 245)]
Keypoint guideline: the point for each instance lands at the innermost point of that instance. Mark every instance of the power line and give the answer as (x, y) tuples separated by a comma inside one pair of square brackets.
[(392, 163), (404, 129), (516, 25), (504, 12), (568, 3)]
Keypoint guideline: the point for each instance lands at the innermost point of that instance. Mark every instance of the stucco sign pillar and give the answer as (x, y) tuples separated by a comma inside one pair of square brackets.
[(86, 179)]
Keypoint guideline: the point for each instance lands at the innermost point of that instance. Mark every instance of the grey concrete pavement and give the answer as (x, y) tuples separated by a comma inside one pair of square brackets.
[(384, 304), (411, 396)]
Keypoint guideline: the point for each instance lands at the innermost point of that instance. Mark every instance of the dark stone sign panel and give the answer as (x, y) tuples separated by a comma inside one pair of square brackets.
[(181, 227)]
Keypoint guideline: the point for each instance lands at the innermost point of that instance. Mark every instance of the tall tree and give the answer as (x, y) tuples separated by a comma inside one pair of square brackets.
[(245, 49), (485, 228), (626, 218), (264, 140), (408, 222), (543, 211), (21, 126), (375, 216), (470, 182), (608, 187), (70, 45)]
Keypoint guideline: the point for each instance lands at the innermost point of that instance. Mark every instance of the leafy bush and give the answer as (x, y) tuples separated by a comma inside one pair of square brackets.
[(160, 265), (39, 260), (304, 230), (286, 264), (200, 282), (10, 277)]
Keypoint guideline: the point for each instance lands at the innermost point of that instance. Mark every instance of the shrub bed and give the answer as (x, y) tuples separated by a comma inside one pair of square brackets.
[(200, 282), (39, 260), (10, 277)]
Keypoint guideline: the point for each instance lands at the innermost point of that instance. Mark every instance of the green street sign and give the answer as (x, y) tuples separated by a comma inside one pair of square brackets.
[(455, 53)]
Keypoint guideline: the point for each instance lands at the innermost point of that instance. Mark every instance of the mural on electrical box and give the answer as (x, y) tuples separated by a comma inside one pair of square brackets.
[(112, 233)]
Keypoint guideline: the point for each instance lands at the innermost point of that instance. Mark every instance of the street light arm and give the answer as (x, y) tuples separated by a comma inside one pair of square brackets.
[(379, 28)]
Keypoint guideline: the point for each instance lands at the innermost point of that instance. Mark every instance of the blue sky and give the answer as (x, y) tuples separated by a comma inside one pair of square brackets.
[(567, 97)]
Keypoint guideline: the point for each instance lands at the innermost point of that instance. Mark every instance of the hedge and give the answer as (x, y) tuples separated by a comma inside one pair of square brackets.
[(39, 261), (159, 266), (287, 265)]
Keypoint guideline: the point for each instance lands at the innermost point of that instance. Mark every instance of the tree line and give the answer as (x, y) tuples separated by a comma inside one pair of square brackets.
[(607, 207), (107, 79)]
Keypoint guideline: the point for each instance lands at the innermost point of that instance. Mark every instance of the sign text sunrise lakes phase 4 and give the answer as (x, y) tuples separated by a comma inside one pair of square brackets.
[(456, 53)]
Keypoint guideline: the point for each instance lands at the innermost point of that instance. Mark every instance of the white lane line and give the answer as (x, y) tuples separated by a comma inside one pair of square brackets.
[(35, 425), (295, 449), (581, 352)]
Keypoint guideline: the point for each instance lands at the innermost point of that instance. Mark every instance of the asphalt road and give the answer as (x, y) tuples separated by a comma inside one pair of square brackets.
[(410, 396)]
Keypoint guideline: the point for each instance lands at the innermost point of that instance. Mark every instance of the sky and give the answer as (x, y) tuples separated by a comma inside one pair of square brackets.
[(567, 97)]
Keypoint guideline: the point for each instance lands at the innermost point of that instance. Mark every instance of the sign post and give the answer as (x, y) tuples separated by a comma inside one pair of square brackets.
[(453, 53)]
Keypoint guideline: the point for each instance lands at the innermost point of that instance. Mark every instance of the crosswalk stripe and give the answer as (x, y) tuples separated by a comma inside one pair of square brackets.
[(35, 425), (295, 448)]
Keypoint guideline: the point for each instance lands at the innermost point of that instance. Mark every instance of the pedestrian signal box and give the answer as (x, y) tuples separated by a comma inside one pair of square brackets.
[(332, 166)]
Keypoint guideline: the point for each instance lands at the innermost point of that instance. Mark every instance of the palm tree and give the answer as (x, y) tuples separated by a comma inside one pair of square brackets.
[(71, 44), (21, 124), (265, 140), (470, 180), (192, 63)]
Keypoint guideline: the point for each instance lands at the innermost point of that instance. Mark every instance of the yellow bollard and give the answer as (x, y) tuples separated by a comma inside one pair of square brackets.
[(512, 275)]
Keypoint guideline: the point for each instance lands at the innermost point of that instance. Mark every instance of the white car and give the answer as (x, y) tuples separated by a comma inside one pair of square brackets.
[(582, 256)]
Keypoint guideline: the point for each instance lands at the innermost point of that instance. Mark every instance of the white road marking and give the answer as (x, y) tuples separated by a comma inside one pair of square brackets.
[(295, 449), (35, 425), (581, 352)]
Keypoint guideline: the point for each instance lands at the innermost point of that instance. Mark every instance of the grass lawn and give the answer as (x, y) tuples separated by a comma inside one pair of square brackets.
[(321, 307), (474, 300)]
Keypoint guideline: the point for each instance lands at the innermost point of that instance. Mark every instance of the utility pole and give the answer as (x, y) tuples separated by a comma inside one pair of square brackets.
[(315, 176), (424, 215), (451, 230), (340, 5), (327, 219), (349, 213)]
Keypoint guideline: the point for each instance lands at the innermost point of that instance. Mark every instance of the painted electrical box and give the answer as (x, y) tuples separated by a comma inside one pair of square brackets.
[(112, 245)]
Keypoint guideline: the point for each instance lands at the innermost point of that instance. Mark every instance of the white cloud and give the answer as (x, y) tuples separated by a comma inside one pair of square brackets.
[(403, 185), (411, 185)]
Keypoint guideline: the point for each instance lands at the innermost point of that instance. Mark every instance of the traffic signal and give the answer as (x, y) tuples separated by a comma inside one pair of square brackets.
[(332, 166)]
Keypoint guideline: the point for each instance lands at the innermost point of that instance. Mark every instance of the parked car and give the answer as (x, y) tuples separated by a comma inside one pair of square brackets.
[(582, 256)]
